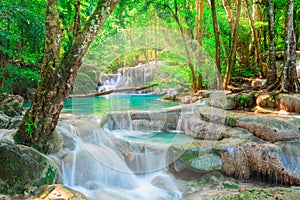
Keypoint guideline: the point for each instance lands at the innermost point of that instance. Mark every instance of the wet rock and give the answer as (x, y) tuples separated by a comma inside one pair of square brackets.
[(280, 162), (193, 126), (199, 156), (23, 169), (11, 105), (142, 120), (272, 129), (55, 141), (222, 100), (268, 128), (57, 192)]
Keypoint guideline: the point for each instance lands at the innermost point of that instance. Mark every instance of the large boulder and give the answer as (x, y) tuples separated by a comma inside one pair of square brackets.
[(289, 103), (57, 192), (11, 105), (23, 169)]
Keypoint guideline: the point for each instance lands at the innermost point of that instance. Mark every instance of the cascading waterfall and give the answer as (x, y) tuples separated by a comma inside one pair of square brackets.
[(98, 169)]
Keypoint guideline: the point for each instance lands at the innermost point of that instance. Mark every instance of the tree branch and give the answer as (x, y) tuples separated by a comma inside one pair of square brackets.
[(114, 91)]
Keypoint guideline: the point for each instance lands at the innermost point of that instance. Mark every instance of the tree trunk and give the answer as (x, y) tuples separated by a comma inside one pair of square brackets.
[(242, 50), (217, 41), (233, 46), (186, 45), (198, 33), (290, 79), (272, 75), (57, 75), (255, 40)]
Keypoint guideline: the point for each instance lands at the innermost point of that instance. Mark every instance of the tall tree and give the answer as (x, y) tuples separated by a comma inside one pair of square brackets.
[(233, 46), (242, 39), (57, 74), (255, 40), (290, 80), (198, 34), (217, 41), (272, 74)]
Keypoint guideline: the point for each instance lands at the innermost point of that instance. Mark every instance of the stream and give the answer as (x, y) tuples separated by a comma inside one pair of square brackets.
[(118, 164)]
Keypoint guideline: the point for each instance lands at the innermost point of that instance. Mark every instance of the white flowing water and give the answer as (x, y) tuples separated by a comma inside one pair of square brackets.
[(98, 168)]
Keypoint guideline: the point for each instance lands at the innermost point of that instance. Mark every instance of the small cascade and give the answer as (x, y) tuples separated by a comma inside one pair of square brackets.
[(138, 75), (100, 170), (146, 158), (107, 82), (179, 124)]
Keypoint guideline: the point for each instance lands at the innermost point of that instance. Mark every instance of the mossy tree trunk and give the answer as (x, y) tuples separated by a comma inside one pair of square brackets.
[(57, 74)]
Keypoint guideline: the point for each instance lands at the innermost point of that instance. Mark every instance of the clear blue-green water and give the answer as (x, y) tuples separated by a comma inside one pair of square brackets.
[(154, 137), (115, 102)]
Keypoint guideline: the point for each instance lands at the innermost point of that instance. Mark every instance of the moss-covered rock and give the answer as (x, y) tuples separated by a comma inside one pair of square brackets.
[(266, 194), (23, 169)]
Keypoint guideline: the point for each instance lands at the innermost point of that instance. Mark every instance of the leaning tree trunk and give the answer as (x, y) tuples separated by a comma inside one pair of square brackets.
[(272, 74), (242, 50), (255, 40), (57, 75), (198, 33), (217, 41), (233, 46), (290, 80)]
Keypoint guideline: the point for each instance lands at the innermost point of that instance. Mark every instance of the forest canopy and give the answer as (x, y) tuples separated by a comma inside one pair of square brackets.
[(22, 30)]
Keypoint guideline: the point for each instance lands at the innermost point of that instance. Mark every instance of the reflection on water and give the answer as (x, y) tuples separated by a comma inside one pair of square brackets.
[(115, 102)]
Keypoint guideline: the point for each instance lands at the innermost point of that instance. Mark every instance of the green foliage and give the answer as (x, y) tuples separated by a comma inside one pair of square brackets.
[(243, 99), (217, 180), (177, 77), (250, 71), (22, 38), (30, 126), (19, 80)]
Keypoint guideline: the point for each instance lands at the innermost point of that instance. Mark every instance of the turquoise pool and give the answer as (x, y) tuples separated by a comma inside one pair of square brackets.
[(115, 102)]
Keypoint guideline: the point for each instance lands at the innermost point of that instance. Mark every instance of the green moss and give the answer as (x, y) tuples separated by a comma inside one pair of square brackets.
[(230, 121), (266, 194), (103, 120), (48, 178)]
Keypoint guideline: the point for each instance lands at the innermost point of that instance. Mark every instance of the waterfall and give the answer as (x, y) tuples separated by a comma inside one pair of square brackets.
[(107, 82), (98, 168), (179, 124)]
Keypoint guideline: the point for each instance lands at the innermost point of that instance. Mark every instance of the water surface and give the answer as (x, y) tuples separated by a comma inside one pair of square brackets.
[(115, 102)]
